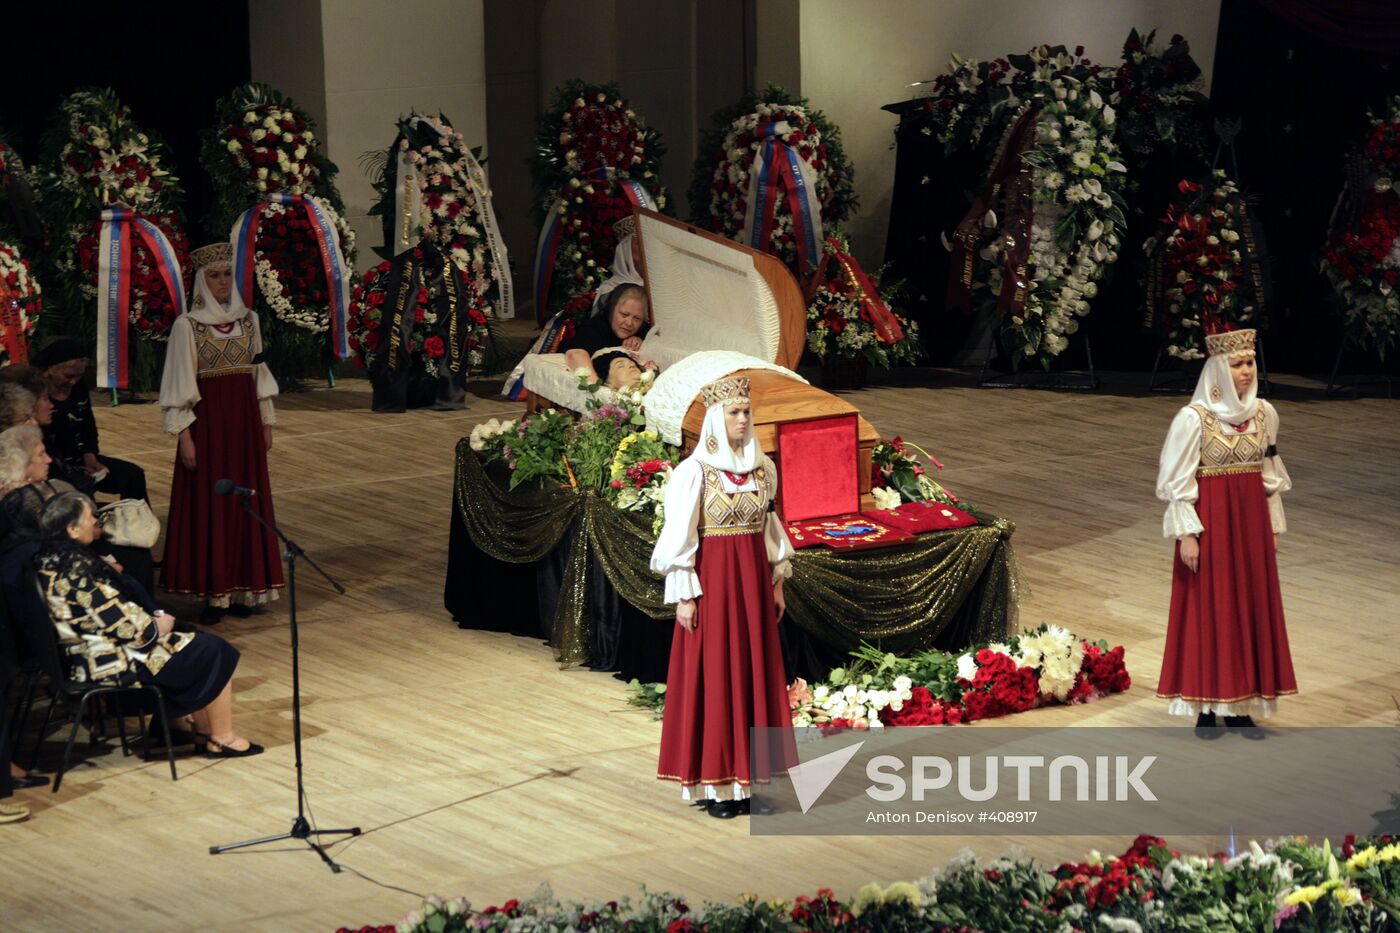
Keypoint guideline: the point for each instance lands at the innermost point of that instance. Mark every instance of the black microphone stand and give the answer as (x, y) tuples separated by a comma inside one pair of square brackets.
[(301, 829)]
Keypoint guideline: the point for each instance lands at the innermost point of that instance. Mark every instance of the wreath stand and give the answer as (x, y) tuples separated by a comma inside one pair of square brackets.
[(1084, 380), (1354, 381)]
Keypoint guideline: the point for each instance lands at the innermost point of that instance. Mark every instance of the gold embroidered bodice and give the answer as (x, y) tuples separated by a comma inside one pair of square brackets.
[(739, 513), (218, 355), (1225, 450)]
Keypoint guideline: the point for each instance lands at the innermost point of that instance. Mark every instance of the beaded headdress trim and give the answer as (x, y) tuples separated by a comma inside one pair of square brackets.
[(208, 255), (1231, 343), (725, 391)]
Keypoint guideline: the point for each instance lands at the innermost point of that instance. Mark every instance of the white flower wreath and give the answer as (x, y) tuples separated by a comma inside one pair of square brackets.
[(1077, 217)]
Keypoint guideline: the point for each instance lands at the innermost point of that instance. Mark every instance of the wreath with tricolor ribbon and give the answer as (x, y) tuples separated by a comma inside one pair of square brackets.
[(595, 160), (121, 262), (772, 175), (276, 201)]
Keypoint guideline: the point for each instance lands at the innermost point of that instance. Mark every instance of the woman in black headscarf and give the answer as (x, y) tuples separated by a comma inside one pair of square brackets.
[(71, 438)]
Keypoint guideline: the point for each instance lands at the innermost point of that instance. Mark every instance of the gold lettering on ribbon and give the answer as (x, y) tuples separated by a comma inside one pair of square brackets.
[(396, 331), (406, 221), (1256, 269), (449, 284)]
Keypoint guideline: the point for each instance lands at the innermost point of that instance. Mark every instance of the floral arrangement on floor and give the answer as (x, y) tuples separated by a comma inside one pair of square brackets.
[(1033, 250), (275, 190), (897, 476), (1286, 885), (1200, 263), (722, 180), (849, 313), (1362, 257), (21, 302), (1040, 667), (595, 159), (97, 158)]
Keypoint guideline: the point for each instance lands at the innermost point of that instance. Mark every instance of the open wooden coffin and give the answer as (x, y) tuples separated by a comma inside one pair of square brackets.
[(707, 292)]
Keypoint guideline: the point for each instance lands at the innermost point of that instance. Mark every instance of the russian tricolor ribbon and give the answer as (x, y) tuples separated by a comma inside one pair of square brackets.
[(118, 227), (552, 232), (778, 170), (245, 242)]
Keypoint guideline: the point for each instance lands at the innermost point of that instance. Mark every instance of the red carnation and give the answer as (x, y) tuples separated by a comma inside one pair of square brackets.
[(433, 347)]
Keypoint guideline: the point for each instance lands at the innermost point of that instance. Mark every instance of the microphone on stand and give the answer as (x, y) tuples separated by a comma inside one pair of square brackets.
[(227, 487)]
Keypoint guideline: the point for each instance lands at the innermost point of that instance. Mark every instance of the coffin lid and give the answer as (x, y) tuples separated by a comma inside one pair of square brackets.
[(707, 292)]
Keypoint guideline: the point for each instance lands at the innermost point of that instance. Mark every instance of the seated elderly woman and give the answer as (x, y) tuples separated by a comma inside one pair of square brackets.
[(25, 379), (24, 399), (623, 324), (24, 462), (109, 636)]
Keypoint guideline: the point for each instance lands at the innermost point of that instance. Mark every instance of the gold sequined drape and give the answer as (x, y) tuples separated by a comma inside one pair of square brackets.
[(901, 598)]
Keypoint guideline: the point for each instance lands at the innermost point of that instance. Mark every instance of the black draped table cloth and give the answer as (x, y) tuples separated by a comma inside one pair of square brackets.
[(565, 566)]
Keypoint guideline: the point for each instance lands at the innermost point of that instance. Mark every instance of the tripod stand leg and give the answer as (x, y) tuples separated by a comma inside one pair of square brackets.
[(215, 850)]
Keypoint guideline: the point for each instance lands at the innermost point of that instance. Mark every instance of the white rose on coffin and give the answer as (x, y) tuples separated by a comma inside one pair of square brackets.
[(886, 498)]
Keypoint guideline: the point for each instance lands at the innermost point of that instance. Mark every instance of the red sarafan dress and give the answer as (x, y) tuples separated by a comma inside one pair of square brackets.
[(213, 548), (1227, 647), (726, 676)]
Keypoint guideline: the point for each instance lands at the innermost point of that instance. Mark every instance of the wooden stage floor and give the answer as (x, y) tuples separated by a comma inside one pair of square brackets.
[(479, 768)]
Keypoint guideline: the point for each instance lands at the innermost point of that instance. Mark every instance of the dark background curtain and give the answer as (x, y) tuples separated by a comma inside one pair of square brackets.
[(168, 60), (1301, 76)]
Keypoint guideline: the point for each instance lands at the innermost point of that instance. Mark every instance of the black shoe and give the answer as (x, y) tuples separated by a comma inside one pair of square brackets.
[(1245, 726), (727, 809), (1206, 727), (241, 611), (212, 615), (215, 750), (29, 780)]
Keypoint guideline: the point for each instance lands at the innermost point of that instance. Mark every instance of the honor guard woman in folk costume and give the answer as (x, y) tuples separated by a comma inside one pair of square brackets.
[(217, 397), (724, 554), (1222, 479)]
